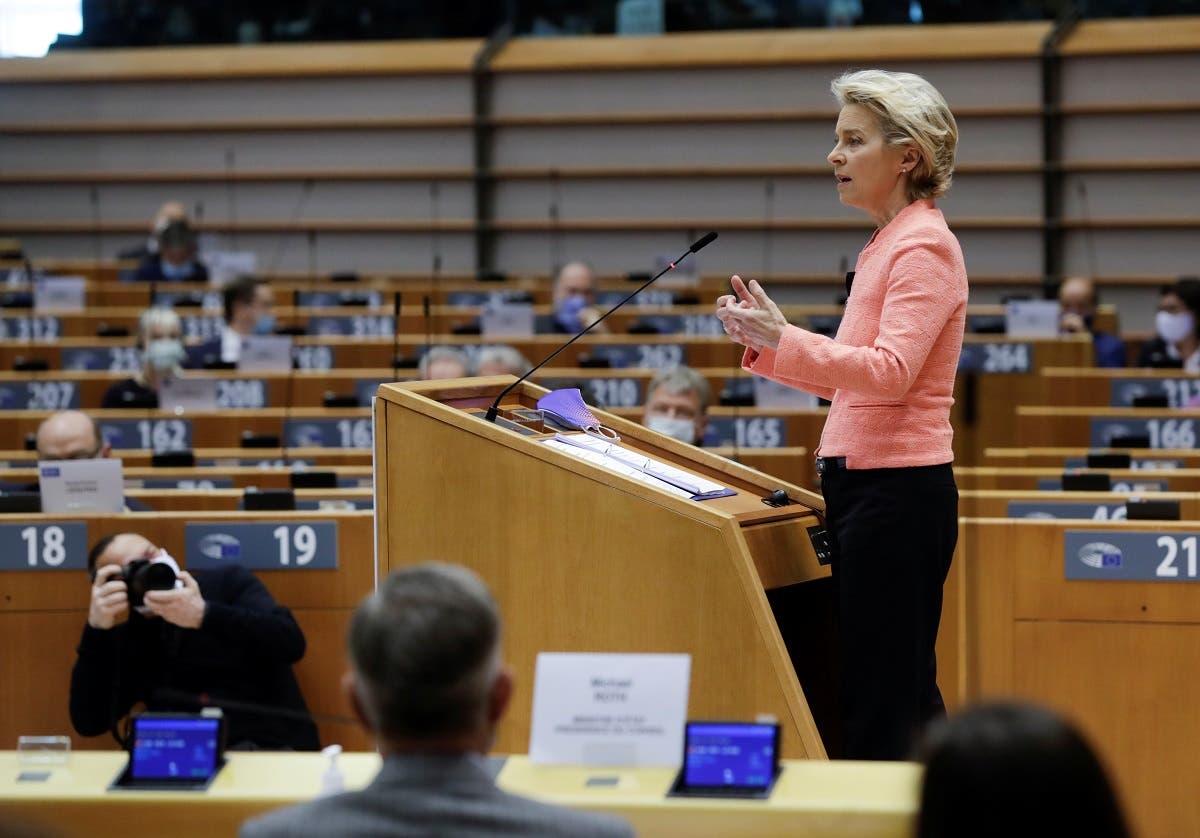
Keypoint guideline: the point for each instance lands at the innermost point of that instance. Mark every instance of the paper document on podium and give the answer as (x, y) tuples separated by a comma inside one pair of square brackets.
[(638, 466)]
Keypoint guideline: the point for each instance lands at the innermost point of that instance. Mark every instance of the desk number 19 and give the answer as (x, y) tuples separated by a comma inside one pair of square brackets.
[(304, 540), (54, 550)]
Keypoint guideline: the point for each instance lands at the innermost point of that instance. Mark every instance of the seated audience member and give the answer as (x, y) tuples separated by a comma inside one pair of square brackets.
[(159, 340), (574, 298), (175, 260), (73, 435), (1004, 769), (427, 680), (249, 308), (443, 362), (219, 634), (502, 360), (677, 402), (168, 212), (1175, 326), (1079, 299)]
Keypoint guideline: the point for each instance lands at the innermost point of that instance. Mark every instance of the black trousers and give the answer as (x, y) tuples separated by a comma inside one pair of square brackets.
[(895, 531)]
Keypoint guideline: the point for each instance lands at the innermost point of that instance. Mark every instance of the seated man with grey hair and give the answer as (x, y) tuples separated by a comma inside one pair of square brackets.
[(502, 360), (74, 435), (444, 362), (677, 402), (427, 679)]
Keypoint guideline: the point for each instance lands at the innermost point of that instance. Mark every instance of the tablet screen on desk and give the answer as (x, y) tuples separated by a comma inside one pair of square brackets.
[(166, 749), (730, 757)]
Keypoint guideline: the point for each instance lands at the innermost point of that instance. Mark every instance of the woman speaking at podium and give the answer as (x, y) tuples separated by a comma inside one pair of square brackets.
[(885, 453)]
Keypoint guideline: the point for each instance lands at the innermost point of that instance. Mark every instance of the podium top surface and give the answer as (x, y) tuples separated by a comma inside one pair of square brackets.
[(464, 401)]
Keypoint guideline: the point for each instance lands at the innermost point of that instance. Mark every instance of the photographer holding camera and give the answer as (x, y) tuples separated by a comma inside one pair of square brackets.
[(171, 640)]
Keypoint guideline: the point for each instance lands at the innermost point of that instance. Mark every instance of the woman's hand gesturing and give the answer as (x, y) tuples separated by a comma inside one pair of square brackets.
[(751, 318)]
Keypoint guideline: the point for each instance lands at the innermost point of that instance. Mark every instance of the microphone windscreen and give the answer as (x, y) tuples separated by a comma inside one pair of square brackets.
[(703, 241)]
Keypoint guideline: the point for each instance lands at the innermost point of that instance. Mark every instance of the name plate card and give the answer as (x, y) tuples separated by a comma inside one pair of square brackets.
[(1123, 556), (747, 431), (609, 709), (58, 546), (329, 433), (504, 319), (1067, 509), (60, 293), (1178, 391), (156, 434), (262, 545), (70, 486), (1031, 318), (266, 353), (998, 357), (1161, 432), (39, 395)]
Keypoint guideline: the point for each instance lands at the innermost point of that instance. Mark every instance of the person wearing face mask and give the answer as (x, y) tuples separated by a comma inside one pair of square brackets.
[(1176, 322), (249, 305), (218, 633), (574, 298), (1078, 299), (175, 259), (158, 339), (677, 402), (886, 454)]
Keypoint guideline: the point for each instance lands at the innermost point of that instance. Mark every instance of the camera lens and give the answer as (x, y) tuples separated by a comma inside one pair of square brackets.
[(142, 575)]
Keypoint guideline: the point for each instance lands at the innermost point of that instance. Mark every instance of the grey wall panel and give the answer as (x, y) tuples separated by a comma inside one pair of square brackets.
[(407, 200), (1133, 252), (381, 252), (745, 198), (746, 89), (1016, 253), (982, 140), (265, 151), (1132, 194), (1168, 136), (247, 99), (1123, 79)]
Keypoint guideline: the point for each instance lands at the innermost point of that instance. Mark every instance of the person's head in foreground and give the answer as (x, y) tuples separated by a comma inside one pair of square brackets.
[(1000, 770), (443, 362), (426, 672), (895, 142), (677, 402), (502, 360), (70, 435)]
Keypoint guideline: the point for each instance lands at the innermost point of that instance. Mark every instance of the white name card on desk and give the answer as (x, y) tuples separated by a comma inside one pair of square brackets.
[(609, 709), (179, 393), (59, 293), (1031, 318), (504, 319), (266, 353), (81, 485)]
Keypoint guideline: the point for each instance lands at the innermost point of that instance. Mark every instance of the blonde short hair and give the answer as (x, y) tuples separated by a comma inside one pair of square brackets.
[(911, 111), (158, 319)]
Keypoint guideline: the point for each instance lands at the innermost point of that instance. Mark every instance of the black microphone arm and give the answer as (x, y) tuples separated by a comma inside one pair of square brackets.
[(699, 244)]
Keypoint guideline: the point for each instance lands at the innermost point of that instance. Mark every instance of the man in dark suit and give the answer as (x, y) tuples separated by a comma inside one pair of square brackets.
[(249, 305), (175, 259), (428, 682)]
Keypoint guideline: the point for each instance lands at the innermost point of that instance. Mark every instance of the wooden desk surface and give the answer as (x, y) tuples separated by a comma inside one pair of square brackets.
[(812, 797)]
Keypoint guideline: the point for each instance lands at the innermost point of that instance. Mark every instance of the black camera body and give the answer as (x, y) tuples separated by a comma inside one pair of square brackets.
[(142, 575)]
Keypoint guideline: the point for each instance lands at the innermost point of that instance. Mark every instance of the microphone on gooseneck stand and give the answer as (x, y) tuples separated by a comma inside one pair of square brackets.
[(231, 196), (428, 327), (699, 244), (288, 390), (97, 246), (396, 336), (555, 229)]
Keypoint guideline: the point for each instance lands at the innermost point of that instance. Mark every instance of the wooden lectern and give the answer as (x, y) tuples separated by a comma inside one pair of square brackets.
[(582, 559)]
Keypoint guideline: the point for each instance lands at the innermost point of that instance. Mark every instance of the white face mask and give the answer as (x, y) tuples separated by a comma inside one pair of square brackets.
[(1174, 327), (683, 430)]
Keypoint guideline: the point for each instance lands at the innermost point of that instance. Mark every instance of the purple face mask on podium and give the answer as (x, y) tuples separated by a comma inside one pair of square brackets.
[(566, 407)]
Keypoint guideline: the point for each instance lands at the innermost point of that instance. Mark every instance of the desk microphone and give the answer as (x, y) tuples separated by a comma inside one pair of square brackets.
[(699, 244)]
